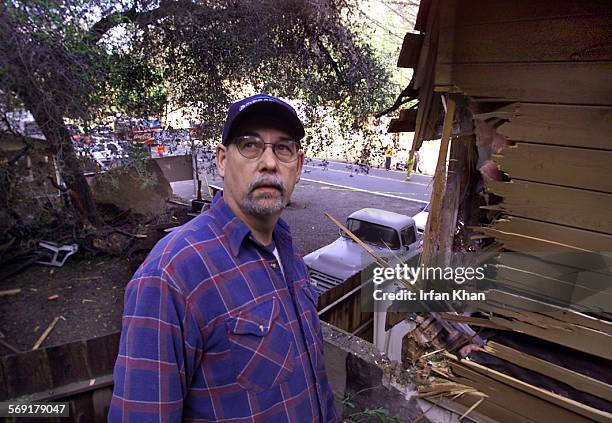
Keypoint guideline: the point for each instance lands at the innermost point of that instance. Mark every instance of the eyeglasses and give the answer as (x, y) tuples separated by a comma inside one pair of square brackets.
[(253, 147)]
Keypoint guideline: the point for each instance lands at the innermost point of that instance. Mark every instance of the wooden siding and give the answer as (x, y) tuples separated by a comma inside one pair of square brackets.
[(554, 124), (540, 73)]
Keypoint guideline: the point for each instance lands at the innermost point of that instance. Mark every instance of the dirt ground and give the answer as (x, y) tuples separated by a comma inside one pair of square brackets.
[(89, 297), (90, 289)]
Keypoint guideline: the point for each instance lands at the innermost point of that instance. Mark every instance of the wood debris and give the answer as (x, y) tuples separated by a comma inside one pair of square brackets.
[(46, 333), (10, 292)]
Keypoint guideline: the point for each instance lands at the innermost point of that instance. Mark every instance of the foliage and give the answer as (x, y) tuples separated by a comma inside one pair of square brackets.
[(87, 59), (212, 53), (136, 87), (380, 414)]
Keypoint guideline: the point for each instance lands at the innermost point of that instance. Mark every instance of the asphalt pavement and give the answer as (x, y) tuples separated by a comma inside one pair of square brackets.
[(335, 192), (340, 176), (382, 182)]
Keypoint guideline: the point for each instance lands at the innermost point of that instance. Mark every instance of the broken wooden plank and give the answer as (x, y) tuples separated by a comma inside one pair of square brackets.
[(577, 380), (579, 239), (528, 406), (561, 38), (587, 83), (566, 166), (488, 411), (46, 333), (576, 295), (476, 321), (575, 407), (554, 204), (563, 267), (554, 312), (10, 292), (579, 338), (556, 124), (521, 242)]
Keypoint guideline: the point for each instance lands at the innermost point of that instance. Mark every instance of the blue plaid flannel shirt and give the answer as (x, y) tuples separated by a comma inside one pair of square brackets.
[(213, 332)]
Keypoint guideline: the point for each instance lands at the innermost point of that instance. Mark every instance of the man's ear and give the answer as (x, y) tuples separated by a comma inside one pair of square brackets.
[(300, 165), (221, 158)]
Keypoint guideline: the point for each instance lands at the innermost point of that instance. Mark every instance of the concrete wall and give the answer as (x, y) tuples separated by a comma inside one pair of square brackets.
[(360, 375)]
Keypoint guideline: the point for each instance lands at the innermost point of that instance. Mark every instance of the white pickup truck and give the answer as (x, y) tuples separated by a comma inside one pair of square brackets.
[(389, 234)]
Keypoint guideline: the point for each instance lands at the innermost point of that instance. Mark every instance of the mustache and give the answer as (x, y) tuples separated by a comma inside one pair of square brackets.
[(268, 181)]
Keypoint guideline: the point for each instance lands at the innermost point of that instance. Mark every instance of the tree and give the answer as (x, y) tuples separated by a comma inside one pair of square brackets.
[(80, 59)]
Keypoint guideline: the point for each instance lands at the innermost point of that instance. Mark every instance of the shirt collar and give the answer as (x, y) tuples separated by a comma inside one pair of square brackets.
[(235, 229)]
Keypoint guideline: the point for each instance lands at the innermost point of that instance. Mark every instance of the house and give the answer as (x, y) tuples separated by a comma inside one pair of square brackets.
[(522, 92)]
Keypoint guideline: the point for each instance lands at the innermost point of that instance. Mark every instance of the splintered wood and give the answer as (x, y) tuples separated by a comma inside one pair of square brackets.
[(46, 333)]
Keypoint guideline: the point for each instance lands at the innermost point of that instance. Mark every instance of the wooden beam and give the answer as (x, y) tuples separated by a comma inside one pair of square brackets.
[(448, 214), (557, 39), (582, 209), (572, 167), (576, 380), (586, 83), (431, 235)]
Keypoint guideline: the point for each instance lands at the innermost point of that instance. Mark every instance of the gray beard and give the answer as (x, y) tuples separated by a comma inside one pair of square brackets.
[(264, 204)]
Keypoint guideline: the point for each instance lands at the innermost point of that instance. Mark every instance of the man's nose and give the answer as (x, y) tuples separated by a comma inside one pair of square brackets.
[(268, 161)]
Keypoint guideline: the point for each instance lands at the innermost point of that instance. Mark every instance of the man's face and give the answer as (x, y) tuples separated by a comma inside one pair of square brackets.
[(259, 187)]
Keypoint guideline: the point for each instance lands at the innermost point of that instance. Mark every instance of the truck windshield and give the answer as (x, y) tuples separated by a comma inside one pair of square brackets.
[(381, 236)]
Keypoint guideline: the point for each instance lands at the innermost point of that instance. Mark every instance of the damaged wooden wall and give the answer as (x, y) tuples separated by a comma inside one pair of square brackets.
[(538, 79)]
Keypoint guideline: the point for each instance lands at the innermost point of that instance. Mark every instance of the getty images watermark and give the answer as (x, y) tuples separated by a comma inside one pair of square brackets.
[(469, 281), (409, 275)]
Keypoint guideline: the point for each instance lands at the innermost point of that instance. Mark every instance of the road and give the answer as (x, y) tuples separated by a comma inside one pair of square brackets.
[(382, 182), (338, 176)]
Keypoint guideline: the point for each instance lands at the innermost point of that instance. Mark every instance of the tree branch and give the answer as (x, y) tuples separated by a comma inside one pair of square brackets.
[(331, 60), (166, 8), (407, 94)]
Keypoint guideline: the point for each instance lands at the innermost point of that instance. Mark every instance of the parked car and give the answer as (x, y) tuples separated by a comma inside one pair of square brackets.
[(389, 234), (421, 219), (107, 154)]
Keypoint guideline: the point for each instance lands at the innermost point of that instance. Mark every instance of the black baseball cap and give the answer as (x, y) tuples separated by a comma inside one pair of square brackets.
[(265, 105)]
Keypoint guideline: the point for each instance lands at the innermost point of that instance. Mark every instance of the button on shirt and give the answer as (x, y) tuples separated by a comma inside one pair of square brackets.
[(214, 332)]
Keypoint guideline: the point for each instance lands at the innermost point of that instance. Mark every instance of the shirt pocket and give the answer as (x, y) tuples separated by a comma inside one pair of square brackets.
[(262, 349)]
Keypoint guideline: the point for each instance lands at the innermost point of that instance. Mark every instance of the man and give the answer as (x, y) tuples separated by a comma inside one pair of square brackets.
[(388, 155), (220, 321)]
